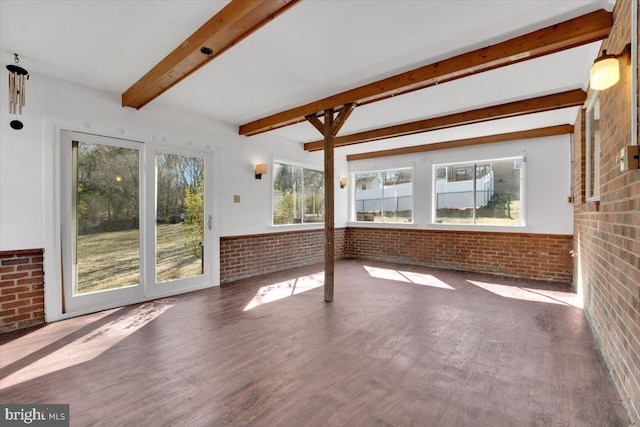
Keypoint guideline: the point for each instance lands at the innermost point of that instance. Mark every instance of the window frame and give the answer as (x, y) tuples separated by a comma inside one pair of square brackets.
[(307, 166), (523, 204), (353, 215), (591, 194)]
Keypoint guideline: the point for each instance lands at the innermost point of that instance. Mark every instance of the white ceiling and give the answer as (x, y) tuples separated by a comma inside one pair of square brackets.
[(313, 50)]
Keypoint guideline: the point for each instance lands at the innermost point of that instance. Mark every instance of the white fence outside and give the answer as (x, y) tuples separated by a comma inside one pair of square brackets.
[(459, 194), (396, 198)]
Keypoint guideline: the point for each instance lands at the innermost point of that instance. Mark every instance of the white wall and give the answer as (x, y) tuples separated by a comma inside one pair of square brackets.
[(28, 157), (547, 182), (253, 214), (27, 161)]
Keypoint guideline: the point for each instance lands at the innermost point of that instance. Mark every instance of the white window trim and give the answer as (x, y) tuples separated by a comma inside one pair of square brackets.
[(352, 199), (589, 185), (292, 227), (482, 227)]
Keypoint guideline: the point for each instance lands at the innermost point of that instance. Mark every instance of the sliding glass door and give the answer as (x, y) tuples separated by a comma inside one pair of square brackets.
[(181, 220), (135, 222)]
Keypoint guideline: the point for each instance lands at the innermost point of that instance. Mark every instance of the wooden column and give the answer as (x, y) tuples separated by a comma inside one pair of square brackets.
[(329, 232), (329, 129)]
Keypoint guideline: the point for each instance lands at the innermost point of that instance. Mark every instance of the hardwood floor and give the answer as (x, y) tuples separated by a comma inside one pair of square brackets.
[(400, 345)]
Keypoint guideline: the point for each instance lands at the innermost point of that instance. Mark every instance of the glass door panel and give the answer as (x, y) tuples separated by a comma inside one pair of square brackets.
[(106, 213), (179, 217), (101, 229)]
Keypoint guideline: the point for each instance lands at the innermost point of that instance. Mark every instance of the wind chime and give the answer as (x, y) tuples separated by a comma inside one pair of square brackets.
[(17, 78)]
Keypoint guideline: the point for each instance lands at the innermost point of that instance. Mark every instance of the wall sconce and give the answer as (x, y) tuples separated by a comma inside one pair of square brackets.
[(17, 78), (344, 182), (260, 170), (605, 71)]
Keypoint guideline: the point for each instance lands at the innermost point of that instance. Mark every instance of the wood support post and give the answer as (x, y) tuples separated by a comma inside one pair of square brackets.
[(329, 129), (329, 232)]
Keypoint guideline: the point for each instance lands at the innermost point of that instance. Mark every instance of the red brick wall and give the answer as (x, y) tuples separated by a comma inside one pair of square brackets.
[(607, 234), (538, 256), (246, 256), (21, 289), (547, 256)]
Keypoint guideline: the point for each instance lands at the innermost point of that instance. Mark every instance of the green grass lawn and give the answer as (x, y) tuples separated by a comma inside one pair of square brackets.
[(175, 256), (112, 259)]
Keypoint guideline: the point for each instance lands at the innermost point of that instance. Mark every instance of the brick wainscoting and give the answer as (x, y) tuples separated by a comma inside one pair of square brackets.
[(21, 289), (252, 255), (537, 256)]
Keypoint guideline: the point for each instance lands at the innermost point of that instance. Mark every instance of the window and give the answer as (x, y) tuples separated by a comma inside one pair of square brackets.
[(298, 195), (385, 196), (593, 148), (487, 192)]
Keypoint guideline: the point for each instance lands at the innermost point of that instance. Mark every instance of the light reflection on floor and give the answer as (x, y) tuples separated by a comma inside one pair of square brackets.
[(407, 277), (87, 347), (531, 294), (278, 291)]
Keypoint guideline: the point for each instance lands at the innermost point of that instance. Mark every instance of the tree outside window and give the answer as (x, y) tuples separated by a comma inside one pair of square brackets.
[(298, 195)]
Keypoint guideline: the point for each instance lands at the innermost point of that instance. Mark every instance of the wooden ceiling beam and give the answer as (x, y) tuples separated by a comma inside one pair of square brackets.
[(233, 23), (565, 35), (488, 139), (316, 122), (540, 104), (340, 120), (343, 115)]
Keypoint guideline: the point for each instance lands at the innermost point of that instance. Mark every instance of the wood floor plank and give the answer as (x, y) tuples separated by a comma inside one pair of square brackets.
[(399, 346)]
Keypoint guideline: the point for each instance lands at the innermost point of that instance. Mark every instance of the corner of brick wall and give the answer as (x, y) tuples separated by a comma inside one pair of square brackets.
[(607, 233), (21, 289), (253, 255)]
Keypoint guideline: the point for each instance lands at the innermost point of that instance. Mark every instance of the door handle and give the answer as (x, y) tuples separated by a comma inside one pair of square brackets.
[(210, 222)]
